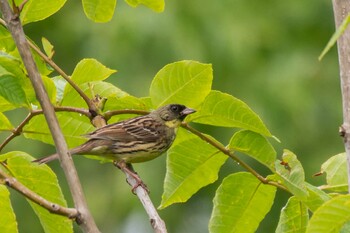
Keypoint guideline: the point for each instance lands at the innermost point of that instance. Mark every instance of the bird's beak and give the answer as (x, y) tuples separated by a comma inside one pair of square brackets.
[(187, 111)]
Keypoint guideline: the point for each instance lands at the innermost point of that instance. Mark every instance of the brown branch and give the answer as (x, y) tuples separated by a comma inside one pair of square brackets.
[(141, 191), (341, 11), (107, 115), (14, 25), (54, 208)]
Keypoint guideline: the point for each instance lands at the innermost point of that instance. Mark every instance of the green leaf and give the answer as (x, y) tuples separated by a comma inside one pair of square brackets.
[(8, 223), (103, 89), (89, 70), (336, 170), (183, 82), (331, 216), (41, 180), (5, 124), (191, 165), (60, 84), (316, 197), (73, 127), (292, 174), (11, 90), (156, 5), (255, 145), (240, 203), (39, 9), (48, 47), (221, 109), (294, 217), (340, 30), (99, 11), (50, 89)]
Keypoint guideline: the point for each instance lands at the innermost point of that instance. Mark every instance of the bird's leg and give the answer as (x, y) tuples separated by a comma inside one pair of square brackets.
[(128, 169)]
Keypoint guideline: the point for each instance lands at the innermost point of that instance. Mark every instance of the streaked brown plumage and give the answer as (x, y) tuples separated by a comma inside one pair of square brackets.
[(135, 140)]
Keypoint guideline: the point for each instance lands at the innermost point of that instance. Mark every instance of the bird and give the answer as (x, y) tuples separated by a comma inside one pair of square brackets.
[(134, 140)]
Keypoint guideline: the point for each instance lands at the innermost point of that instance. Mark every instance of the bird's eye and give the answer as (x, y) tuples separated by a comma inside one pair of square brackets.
[(174, 108)]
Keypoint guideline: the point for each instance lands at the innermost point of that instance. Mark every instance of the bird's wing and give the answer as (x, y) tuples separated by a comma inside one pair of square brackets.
[(143, 128)]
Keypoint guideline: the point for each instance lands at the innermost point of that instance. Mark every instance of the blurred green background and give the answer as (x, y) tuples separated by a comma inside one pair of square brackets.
[(263, 52)]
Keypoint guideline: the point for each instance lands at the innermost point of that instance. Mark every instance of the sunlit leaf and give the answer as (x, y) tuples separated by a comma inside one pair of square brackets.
[(294, 217), (240, 204), (336, 171), (191, 165), (183, 82), (221, 109), (292, 174), (48, 47), (331, 216), (99, 11), (254, 145), (156, 5), (89, 70), (39, 9), (8, 223), (6, 41), (41, 180)]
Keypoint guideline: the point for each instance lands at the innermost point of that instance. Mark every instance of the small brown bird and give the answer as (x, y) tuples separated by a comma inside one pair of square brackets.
[(134, 140)]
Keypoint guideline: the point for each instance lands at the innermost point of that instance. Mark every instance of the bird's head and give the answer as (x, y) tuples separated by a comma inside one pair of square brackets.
[(174, 114)]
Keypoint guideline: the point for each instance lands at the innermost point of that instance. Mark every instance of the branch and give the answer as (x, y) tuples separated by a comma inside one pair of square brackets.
[(341, 10), (14, 25), (142, 193), (50, 206)]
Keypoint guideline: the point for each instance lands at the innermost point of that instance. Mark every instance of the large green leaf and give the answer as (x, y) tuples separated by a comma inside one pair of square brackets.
[(39, 9), (41, 180), (156, 5), (336, 171), (191, 165), (221, 109), (292, 174), (11, 90), (99, 11), (8, 223), (254, 145), (240, 203), (294, 217), (183, 82), (72, 125), (331, 216)]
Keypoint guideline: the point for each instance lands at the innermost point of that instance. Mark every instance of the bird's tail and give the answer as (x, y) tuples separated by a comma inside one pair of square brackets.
[(55, 156), (46, 159)]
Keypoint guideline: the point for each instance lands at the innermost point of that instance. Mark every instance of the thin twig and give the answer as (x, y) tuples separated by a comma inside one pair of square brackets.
[(13, 22), (107, 115), (54, 208)]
